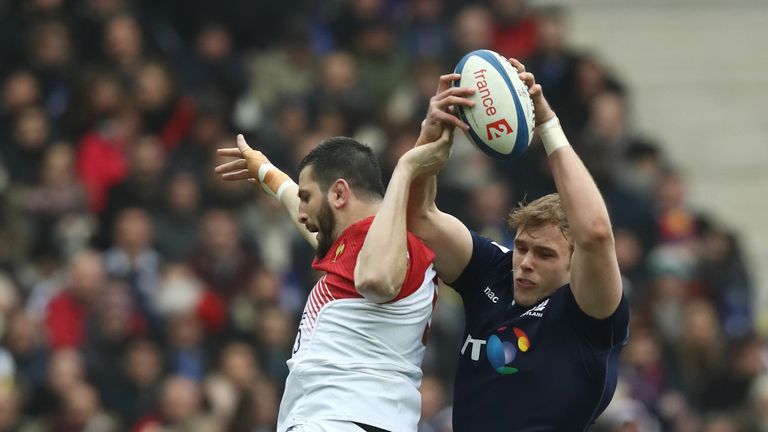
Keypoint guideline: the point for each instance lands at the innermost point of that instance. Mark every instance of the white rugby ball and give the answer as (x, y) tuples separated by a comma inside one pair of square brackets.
[(501, 122)]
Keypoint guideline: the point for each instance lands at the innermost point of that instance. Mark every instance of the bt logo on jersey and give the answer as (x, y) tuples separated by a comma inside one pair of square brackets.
[(502, 353)]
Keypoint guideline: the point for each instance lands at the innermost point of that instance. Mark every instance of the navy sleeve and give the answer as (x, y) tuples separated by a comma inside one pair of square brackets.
[(601, 334), (487, 259)]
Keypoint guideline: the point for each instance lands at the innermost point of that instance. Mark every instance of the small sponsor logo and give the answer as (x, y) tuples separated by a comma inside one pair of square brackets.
[(498, 129), (339, 251), (537, 311)]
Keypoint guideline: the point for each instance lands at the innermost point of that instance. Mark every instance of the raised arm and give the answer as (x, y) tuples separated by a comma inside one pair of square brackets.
[(595, 277), (443, 233), (382, 263), (253, 166)]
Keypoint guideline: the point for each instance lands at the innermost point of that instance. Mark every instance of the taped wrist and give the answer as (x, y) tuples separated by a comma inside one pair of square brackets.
[(273, 181), (552, 135)]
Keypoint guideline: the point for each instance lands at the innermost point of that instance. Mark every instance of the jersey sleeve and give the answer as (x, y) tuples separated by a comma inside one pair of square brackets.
[(601, 334), (484, 266), (420, 259)]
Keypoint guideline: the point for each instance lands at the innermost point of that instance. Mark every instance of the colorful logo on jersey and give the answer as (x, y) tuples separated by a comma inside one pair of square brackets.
[(502, 353), (339, 251)]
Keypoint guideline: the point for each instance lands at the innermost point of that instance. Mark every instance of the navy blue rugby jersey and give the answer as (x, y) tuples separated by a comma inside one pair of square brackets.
[(546, 367)]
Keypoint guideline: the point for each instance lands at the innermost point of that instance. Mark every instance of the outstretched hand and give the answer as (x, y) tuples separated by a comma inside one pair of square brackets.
[(540, 105), (247, 164), (251, 165), (440, 114), (429, 158)]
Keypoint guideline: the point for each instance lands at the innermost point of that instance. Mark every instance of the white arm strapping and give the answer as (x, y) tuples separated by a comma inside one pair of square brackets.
[(552, 135)]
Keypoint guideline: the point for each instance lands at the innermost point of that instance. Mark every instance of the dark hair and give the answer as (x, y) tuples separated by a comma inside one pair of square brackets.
[(343, 157)]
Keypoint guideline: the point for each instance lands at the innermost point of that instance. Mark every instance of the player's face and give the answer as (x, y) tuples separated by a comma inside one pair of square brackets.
[(540, 263), (315, 212)]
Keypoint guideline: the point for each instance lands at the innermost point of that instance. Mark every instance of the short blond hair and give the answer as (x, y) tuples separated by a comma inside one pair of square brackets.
[(546, 210)]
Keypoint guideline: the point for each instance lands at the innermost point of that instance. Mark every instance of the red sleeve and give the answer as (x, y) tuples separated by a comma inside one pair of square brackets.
[(420, 258)]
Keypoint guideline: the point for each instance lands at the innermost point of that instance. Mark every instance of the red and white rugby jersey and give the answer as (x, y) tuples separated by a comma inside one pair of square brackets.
[(356, 360)]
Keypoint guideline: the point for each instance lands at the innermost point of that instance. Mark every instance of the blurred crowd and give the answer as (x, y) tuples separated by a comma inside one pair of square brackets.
[(138, 292)]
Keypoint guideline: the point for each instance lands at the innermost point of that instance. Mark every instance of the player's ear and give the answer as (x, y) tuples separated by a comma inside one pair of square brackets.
[(339, 193)]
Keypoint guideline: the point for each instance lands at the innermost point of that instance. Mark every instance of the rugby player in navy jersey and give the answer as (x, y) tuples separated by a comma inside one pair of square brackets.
[(544, 322)]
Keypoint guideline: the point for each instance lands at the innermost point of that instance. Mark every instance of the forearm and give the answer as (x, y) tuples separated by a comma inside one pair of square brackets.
[(581, 199), (421, 200), (443, 233), (382, 262), (290, 200)]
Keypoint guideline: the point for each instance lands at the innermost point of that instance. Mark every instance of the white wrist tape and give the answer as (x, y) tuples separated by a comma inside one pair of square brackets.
[(283, 187), (263, 169), (552, 135)]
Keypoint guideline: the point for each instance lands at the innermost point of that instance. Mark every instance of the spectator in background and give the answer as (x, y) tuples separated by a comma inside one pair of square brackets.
[(22, 338), (198, 147), (55, 204), (257, 411), (221, 260), (472, 30), (700, 355), (275, 341), (514, 30), (142, 187), (164, 113), (9, 300), (90, 18), (187, 352), (411, 97), (291, 125), (68, 312), (239, 366), (23, 152), (757, 419), (213, 64), (426, 33), (133, 260), (115, 323), (274, 75), (102, 159), (266, 290), (141, 372), (52, 58), (80, 409), (11, 416), (124, 46), (180, 407), (21, 89), (176, 224), (65, 370), (721, 270), (139, 188), (435, 411), (677, 222), (490, 205), (338, 88), (98, 94), (381, 65)]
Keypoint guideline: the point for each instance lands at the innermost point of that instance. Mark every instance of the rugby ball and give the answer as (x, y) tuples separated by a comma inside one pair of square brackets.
[(502, 120)]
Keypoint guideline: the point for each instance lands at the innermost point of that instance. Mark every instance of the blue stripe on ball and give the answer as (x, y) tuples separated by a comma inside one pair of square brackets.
[(521, 143), (473, 137)]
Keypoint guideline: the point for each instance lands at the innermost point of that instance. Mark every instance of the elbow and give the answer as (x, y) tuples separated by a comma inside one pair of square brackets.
[(598, 234), (378, 289)]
